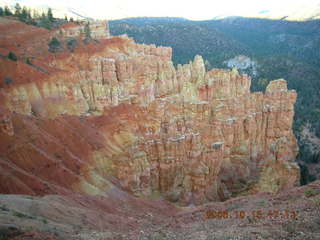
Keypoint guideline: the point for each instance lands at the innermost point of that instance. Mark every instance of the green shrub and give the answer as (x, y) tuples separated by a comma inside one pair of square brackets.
[(21, 215), (310, 192), (4, 208), (28, 61), (262, 203), (18, 214), (8, 80), (12, 56), (54, 45), (72, 44), (54, 42)]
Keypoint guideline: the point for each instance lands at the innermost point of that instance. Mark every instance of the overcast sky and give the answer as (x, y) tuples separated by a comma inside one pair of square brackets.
[(194, 9)]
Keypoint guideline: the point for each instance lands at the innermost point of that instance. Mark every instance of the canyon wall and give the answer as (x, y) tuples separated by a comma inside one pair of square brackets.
[(117, 114)]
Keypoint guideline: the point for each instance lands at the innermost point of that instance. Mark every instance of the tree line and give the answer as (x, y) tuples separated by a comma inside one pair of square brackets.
[(32, 16)]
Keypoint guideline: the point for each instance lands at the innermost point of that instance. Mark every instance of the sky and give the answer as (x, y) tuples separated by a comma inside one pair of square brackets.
[(194, 10)]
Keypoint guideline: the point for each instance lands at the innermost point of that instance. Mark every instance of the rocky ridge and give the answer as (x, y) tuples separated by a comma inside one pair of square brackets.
[(116, 114)]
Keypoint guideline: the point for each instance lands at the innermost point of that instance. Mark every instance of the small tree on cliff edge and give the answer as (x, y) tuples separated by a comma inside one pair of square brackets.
[(44, 22), (28, 61), (7, 11), (87, 31), (50, 15), (55, 45), (23, 15), (12, 56), (17, 11)]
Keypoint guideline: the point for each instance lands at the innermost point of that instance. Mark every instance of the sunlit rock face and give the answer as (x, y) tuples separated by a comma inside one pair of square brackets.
[(98, 29), (119, 115)]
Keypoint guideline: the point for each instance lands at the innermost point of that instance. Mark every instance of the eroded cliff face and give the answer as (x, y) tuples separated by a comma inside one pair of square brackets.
[(117, 114)]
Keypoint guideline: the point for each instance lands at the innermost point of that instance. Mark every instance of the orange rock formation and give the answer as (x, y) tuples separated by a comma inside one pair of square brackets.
[(116, 114)]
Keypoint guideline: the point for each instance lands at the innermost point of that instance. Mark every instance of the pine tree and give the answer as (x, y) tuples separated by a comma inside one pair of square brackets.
[(28, 61), (7, 11), (44, 22), (1, 11), (17, 11), (12, 56), (29, 17), (24, 15), (87, 30), (55, 45), (50, 15), (54, 42)]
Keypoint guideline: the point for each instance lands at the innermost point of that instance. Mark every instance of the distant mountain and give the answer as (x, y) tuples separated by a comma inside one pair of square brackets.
[(301, 12), (294, 12), (274, 49)]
